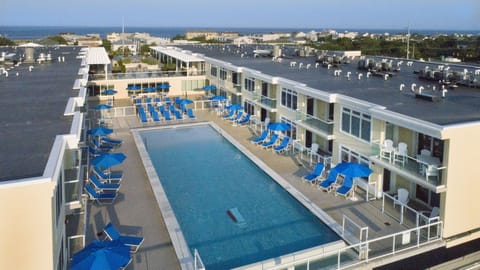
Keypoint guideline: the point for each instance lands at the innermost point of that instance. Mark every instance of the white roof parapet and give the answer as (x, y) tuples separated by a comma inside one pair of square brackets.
[(408, 122), (224, 64), (97, 56), (315, 93), (176, 53)]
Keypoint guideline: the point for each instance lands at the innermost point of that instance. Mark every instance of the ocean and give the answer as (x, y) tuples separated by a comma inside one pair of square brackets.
[(39, 32)]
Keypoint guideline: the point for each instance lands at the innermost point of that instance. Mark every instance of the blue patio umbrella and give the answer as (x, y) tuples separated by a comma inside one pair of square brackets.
[(109, 92), (218, 98), (101, 255), (163, 86), (99, 131), (209, 88), (108, 160), (103, 107), (234, 107), (134, 88), (356, 170), (185, 102), (279, 126), (149, 89)]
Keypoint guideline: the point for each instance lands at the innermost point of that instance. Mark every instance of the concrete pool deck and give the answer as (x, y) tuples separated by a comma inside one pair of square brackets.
[(136, 211)]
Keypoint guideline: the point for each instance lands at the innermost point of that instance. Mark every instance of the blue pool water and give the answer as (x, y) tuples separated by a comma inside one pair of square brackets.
[(204, 176)]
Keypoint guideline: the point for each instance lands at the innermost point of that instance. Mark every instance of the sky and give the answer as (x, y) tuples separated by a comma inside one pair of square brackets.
[(315, 14)]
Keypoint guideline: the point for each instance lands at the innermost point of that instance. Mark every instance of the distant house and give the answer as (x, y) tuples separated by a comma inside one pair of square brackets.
[(125, 44), (89, 41), (208, 35)]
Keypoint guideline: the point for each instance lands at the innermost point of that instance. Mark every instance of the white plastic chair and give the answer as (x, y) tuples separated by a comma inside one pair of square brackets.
[(401, 198), (387, 150), (313, 151), (401, 154), (425, 152)]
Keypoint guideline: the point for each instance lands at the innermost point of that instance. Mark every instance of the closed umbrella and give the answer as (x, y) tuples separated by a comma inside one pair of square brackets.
[(101, 255)]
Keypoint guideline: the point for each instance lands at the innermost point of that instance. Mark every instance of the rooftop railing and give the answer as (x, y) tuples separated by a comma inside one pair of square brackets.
[(146, 75), (323, 126)]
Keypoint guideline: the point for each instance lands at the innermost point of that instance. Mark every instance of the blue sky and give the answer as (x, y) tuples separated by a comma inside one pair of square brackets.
[(383, 14)]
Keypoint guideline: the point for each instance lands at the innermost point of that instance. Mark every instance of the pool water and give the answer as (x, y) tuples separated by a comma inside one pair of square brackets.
[(204, 176)]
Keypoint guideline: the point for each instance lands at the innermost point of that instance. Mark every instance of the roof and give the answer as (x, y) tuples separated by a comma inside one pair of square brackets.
[(32, 107), (177, 53), (97, 56), (459, 106)]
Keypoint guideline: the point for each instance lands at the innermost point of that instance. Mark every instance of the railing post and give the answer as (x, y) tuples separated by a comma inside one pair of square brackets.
[(383, 202)]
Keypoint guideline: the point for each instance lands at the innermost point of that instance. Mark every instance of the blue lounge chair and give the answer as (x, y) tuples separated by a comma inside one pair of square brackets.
[(102, 186), (245, 120), (101, 198), (315, 175), (271, 142), (96, 152), (190, 114), (236, 118), (155, 116), (99, 146), (328, 183), (168, 100), (283, 146), (133, 242), (166, 115), (111, 141), (261, 138), (111, 176), (229, 115), (178, 115), (346, 189)]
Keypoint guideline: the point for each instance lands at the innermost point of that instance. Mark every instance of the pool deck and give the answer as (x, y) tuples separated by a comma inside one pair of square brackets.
[(136, 212)]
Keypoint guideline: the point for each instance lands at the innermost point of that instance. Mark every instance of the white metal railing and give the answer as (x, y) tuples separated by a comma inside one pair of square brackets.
[(369, 250), (404, 211), (431, 173), (353, 232), (197, 261), (123, 111)]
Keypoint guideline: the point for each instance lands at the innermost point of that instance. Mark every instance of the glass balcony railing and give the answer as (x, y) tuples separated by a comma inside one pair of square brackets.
[(324, 126), (421, 167)]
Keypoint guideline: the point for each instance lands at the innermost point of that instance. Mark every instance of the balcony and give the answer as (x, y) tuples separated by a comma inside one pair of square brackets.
[(423, 170), (318, 126)]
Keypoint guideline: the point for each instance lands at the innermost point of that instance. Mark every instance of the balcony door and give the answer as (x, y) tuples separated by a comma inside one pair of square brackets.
[(310, 106)]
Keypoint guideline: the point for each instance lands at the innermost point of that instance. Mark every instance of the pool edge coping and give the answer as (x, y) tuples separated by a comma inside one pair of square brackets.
[(179, 243)]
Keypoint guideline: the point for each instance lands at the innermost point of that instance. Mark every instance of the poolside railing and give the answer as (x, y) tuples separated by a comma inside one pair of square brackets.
[(352, 232), (197, 261), (363, 252)]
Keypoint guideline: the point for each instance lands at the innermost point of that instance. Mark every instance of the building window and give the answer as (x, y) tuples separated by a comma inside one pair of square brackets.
[(223, 74), (192, 85), (235, 78), (356, 123), (213, 71), (249, 84), (249, 107), (289, 98), (292, 133)]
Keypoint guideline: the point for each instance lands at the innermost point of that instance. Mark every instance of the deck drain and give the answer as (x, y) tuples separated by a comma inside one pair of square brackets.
[(387, 223)]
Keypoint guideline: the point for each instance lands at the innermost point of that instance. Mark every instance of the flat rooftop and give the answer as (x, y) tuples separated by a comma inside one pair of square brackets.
[(32, 105), (460, 105)]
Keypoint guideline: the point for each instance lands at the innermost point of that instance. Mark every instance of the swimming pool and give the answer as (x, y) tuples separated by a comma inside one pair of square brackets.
[(228, 208)]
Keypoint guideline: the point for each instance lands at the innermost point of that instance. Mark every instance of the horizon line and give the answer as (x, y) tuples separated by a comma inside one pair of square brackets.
[(247, 27)]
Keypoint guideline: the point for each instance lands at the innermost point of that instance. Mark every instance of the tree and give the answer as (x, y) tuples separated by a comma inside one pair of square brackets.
[(107, 45), (6, 42), (58, 39), (145, 50)]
